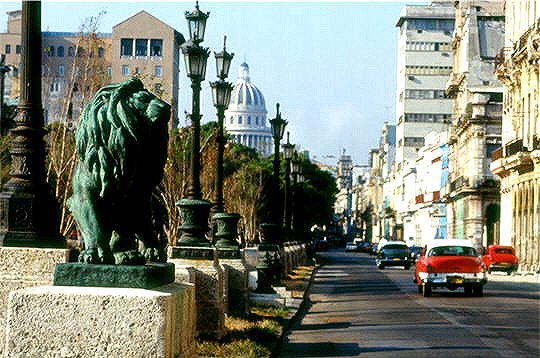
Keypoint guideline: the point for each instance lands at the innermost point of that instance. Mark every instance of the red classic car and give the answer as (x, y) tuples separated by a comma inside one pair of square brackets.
[(451, 264), (500, 258)]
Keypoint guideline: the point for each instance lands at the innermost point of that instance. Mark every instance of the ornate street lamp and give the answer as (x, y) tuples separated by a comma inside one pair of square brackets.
[(28, 211), (278, 125), (288, 150), (194, 210), (225, 223), (196, 23), (269, 266), (298, 178)]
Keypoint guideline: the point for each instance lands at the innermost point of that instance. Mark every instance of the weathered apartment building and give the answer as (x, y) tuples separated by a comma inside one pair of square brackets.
[(74, 64), (422, 106), (517, 162), (472, 192)]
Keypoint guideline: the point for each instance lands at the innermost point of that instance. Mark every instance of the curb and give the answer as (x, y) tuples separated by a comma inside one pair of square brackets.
[(294, 318)]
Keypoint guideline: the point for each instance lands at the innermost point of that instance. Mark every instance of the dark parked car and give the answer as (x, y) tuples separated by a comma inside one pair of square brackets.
[(416, 252), (394, 253)]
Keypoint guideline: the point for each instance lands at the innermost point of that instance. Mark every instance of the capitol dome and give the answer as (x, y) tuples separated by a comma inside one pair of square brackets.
[(245, 119)]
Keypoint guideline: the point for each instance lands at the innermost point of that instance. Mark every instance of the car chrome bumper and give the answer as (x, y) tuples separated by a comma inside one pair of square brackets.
[(453, 278)]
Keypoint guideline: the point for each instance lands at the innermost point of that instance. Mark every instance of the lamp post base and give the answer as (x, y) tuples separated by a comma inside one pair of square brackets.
[(225, 235), (194, 222)]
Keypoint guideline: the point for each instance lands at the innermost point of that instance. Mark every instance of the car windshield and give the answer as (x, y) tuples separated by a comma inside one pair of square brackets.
[(504, 251), (452, 251), (395, 249)]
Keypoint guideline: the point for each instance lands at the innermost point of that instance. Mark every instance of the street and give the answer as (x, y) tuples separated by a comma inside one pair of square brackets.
[(357, 310)]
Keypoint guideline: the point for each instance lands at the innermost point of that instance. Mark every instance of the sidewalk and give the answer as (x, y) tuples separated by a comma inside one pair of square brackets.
[(515, 277)]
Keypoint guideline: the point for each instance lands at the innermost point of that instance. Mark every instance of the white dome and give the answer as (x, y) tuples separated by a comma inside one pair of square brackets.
[(245, 119), (246, 94)]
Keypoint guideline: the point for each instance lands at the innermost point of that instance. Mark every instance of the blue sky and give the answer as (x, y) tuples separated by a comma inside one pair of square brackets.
[(330, 65)]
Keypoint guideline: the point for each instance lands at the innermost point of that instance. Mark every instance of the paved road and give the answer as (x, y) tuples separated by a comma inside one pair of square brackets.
[(357, 310)]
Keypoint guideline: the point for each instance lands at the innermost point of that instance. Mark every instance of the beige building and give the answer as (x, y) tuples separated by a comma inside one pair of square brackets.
[(73, 65), (472, 194), (145, 46), (76, 64), (517, 162)]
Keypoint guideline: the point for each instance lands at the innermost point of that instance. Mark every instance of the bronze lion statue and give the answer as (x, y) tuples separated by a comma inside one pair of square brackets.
[(121, 143)]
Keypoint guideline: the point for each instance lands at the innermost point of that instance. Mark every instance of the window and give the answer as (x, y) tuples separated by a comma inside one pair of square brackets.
[(126, 47), (125, 70), (50, 51), (156, 46), (18, 49), (101, 52), (157, 71), (109, 71), (257, 121), (141, 46), (137, 71), (157, 87), (8, 49), (240, 120), (61, 70), (71, 51), (249, 120), (60, 51), (232, 120)]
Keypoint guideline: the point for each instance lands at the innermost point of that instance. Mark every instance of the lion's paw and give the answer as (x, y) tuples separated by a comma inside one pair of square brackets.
[(89, 256), (154, 254), (131, 257)]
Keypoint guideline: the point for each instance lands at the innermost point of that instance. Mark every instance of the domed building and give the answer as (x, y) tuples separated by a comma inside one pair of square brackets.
[(245, 119)]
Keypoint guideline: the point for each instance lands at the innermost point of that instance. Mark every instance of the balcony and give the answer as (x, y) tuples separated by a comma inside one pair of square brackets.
[(497, 154), (514, 148)]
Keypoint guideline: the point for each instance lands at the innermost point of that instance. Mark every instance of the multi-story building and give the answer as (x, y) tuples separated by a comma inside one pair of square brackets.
[(344, 181), (517, 162), (245, 119), (76, 64), (380, 162), (472, 194), (430, 211), (424, 66), (72, 64), (145, 46)]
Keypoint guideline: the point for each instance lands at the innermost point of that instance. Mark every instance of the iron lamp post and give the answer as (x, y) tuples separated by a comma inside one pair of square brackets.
[(278, 125), (194, 210), (288, 150), (225, 224)]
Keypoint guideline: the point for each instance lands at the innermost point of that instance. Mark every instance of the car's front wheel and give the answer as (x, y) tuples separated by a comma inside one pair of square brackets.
[(426, 290), (420, 288), (478, 290), (380, 266)]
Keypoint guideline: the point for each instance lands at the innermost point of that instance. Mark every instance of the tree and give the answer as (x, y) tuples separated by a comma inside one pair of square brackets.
[(85, 75)]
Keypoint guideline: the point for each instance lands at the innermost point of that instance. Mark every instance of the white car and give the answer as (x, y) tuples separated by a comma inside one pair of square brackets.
[(351, 246)]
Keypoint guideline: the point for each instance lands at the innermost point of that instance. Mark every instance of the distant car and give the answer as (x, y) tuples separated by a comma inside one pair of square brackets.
[(500, 258), (351, 246), (451, 264), (364, 246), (393, 253), (416, 252)]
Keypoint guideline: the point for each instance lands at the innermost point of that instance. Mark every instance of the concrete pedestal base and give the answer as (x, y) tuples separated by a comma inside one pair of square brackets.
[(237, 286), (68, 321), (22, 267), (208, 277)]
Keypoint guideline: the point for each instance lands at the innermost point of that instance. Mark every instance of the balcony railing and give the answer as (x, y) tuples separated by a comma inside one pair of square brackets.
[(497, 154), (514, 148)]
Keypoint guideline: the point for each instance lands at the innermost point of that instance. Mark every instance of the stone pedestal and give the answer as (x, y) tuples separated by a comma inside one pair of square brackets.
[(199, 265), (25, 267), (69, 321), (237, 283)]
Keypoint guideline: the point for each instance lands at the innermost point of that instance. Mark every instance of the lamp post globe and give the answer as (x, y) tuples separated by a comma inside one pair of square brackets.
[(196, 20)]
